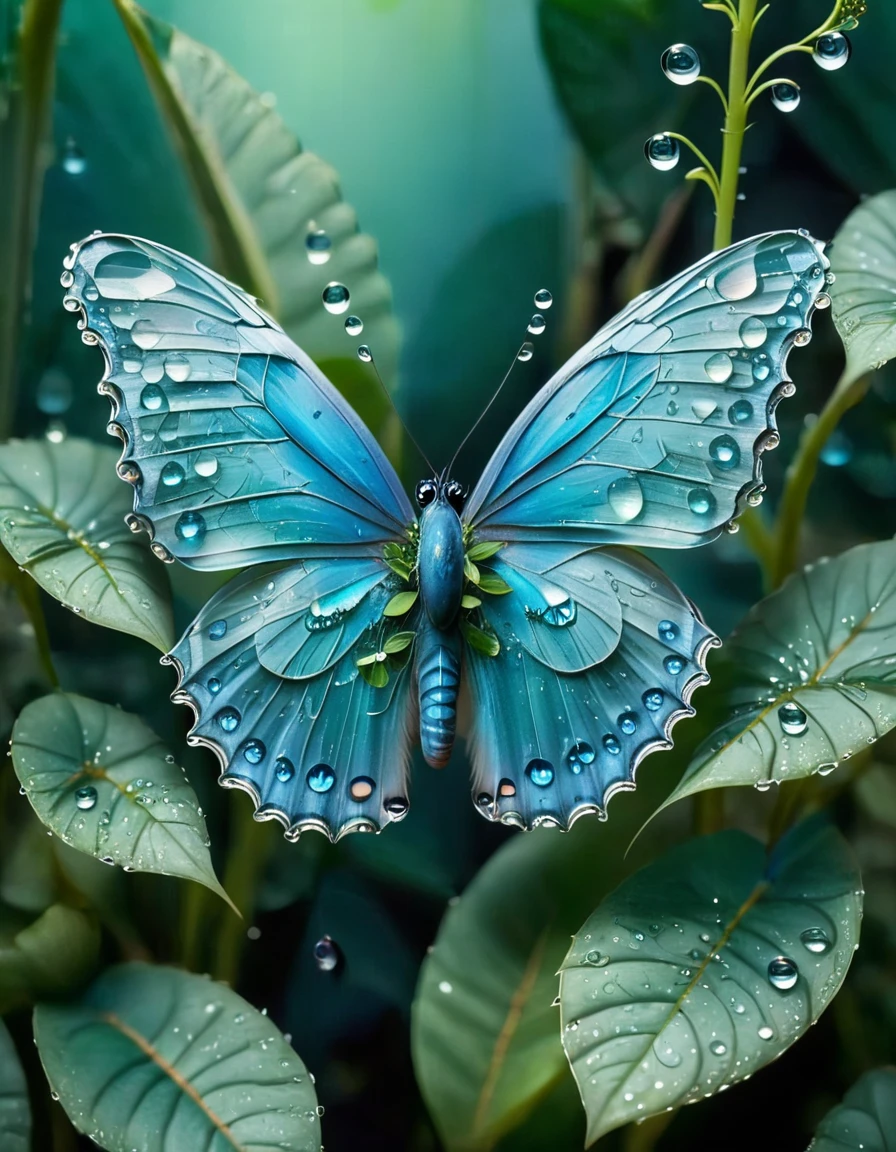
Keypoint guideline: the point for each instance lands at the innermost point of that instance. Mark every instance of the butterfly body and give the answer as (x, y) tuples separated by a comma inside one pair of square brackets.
[(353, 621)]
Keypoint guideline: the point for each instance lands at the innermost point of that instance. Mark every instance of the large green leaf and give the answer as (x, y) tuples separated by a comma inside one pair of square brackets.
[(703, 967), (15, 1114), (484, 1036), (62, 510), (48, 956), (865, 1121), (863, 259), (106, 784), (156, 1058), (262, 196), (807, 679)]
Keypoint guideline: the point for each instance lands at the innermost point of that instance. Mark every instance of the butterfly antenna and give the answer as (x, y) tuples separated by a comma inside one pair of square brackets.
[(484, 411), (391, 402)]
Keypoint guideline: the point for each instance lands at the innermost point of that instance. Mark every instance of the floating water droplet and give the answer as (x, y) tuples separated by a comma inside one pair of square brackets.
[(320, 778), (673, 665), (85, 797), (336, 298), (701, 501), (786, 97), (611, 744), (228, 719), (725, 452), (365, 354), (783, 973), (214, 685), (628, 723), (540, 772), (719, 367), (153, 398), (190, 527), (580, 756), (662, 152), (318, 246), (626, 497), (543, 299), (794, 720), (54, 392), (74, 162), (525, 353), (667, 631), (326, 954), (361, 788), (653, 699), (537, 324), (205, 464), (681, 64), (832, 51), (217, 630), (178, 367), (254, 751), (753, 332), (740, 412), (172, 475), (816, 940), (354, 325)]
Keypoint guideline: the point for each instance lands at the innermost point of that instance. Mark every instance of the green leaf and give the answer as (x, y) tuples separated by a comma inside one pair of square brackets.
[(484, 1032), (863, 259), (492, 583), (865, 1121), (398, 641), (261, 195), (221, 1074), (400, 568), (374, 672), (15, 1113), (470, 570), (703, 967), (400, 604), (105, 784), (807, 679), (470, 602), (483, 642), (62, 510), (484, 550), (49, 956)]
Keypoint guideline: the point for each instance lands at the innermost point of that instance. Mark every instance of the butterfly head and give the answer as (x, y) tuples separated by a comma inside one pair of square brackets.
[(441, 490)]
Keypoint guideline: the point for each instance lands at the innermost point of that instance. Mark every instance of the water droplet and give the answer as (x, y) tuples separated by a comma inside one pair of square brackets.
[(54, 392), (701, 501), (628, 723), (326, 954), (597, 959), (361, 788), (283, 769), (753, 332), (317, 246), (144, 333), (611, 744), (543, 299), (761, 367), (335, 298), (214, 685), (178, 368), (719, 367), (671, 408), (85, 797), (725, 452), (205, 464), (718, 1048), (559, 614), (172, 475), (152, 398), (445, 987), (653, 699), (365, 354), (217, 630), (816, 940), (537, 324), (673, 665), (320, 778), (793, 719), (766, 1033), (540, 772), (802, 337), (786, 97), (228, 719), (662, 152), (580, 756), (681, 64), (254, 751), (74, 162), (190, 527), (354, 325), (626, 497), (782, 973), (832, 51), (740, 412), (525, 353), (667, 631)]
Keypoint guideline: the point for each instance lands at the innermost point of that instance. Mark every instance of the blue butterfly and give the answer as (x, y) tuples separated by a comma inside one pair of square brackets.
[(354, 620)]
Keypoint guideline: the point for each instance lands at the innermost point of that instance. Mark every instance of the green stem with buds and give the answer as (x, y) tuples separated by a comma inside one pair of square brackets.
[(735, 121)]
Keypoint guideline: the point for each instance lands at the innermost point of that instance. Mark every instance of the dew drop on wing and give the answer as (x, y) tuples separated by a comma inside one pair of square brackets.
[(540, 772), (626, 497)]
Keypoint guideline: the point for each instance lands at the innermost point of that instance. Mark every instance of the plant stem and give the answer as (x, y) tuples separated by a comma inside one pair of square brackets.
[(848, 392), (709, 812), (735, 122), (251, 843), (28, 595)]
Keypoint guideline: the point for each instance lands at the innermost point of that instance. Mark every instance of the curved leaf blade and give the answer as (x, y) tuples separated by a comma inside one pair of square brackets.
[(703, 967), (863, 260), (221, 1075), (807, 679), (866, 1120), (49, 956), (262, 196), (15, 1113), (106, 785), (62, 511)]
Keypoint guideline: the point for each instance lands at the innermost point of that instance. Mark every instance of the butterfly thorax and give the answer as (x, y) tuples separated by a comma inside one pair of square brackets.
[(440, 560)]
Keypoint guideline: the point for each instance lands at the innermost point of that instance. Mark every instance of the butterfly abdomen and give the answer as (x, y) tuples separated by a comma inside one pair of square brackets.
[(438, 680)]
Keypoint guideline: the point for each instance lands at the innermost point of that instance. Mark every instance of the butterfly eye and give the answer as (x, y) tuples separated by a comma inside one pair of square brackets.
[(426, 492), (454, 493)]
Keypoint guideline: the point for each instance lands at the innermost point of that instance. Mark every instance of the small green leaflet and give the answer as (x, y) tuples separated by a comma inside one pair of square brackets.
[(470, 570), (374, 671), (398, 641), (470, 602), (480, 641), (492, 583), (400, 604), (484, 550)]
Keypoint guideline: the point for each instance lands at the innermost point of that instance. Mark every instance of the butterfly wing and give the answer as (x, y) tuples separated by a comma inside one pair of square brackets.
[(652, 433), (239, 449), (241, 453)]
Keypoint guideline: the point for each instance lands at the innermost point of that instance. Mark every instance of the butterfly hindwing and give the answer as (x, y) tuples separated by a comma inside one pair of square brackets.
[(651, 434), (239, 449)]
